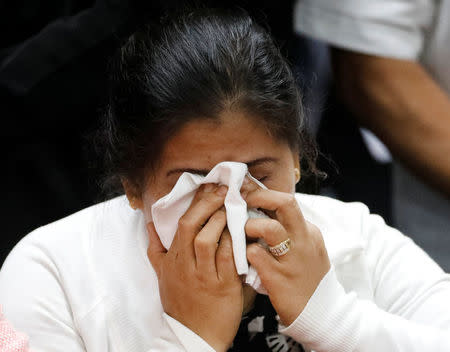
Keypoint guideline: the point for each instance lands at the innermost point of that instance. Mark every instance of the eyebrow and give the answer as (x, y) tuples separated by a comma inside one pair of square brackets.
[(204, 172)]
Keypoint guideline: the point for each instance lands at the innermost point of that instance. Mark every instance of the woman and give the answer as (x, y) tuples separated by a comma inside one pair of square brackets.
[(204, 88)]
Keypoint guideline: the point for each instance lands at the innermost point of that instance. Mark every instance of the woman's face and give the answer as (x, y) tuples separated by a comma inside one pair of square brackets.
[(201, 144)]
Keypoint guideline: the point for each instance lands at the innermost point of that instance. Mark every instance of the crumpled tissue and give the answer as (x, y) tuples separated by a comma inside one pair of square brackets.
[(167, 211)]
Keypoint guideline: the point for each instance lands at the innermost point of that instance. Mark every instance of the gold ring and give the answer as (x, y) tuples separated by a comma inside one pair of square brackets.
[(281, 248)]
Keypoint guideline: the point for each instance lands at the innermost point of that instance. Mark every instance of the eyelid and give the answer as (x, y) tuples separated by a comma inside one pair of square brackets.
[(261, 178)]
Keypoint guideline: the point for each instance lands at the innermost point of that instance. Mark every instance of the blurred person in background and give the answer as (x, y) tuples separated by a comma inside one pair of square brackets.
[(390, 63)]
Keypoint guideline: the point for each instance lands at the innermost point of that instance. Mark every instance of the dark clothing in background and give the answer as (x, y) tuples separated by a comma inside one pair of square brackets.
[(258, 331), (52, 83), (353, 174), (53, 63)]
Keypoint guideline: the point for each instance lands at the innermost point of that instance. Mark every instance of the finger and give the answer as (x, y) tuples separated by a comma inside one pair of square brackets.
[(265, 264), (208, 199), (270, 230), (248, 186), (284, 205), (206, 242), (224, 258), (155, 250)]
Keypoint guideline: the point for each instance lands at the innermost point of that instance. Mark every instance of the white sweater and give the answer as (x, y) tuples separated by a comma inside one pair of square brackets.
[(84, 283)]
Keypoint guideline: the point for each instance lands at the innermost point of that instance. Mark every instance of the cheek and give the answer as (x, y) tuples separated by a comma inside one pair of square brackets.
[(155, 188), (148, 199), (282, 181)]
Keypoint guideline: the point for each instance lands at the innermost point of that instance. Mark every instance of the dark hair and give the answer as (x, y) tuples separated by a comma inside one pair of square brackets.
[(195, 66)]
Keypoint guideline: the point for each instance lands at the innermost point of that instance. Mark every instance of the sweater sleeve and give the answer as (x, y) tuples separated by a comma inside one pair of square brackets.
[(410, 311)]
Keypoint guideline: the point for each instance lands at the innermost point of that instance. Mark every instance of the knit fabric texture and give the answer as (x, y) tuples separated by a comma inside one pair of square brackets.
[(10, 339)]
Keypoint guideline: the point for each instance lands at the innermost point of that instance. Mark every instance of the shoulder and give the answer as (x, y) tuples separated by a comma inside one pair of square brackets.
[(391, 28), (316, 202), (347, 228), (73, 233), (329, 212), (59, 261)]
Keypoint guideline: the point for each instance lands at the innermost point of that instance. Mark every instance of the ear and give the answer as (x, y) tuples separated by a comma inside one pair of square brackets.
[(134, 197), (297, 175), (297, 169)]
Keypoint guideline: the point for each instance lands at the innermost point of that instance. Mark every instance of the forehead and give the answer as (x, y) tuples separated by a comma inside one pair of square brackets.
[(234, 136)]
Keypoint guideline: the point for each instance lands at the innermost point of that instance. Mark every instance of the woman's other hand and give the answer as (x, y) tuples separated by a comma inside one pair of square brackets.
[(198, 282), (292, 278)]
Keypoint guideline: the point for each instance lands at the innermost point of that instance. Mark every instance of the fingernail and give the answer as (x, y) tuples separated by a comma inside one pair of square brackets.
[(209, 187), (244, 194), (246, 180), (222, 190)]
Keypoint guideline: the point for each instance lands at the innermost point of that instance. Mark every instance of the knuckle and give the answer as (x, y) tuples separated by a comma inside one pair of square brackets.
[(201, 243), (250, 226), (320, 247), (210, 202), (219, 216), (211, 197), (274, 226), (268, 228), (206, 197), (318, 241), (322, 252), (185, 224), (252, 251), (315, 233), (203, 190), (313, 228), (290, 201), (223, 256)]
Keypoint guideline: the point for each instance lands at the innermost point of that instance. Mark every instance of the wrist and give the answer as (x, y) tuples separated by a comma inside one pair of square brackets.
[(218, 344), (190, 339)]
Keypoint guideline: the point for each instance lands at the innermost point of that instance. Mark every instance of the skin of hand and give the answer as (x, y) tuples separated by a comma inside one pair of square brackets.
[(291, 279), (401, 103), (198, 282)]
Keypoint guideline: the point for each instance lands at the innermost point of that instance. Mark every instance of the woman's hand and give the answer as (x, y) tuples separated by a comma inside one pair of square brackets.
[(292, 278), (198, 282)]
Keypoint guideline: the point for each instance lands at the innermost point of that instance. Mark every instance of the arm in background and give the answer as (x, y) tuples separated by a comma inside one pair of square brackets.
[(403, 106)]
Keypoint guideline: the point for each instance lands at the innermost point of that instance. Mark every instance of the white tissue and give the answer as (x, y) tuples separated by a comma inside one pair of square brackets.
[(167, 211)]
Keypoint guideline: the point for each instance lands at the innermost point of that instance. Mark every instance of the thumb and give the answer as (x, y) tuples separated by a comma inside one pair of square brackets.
[(155, 250)]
